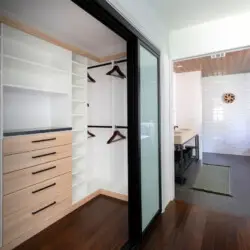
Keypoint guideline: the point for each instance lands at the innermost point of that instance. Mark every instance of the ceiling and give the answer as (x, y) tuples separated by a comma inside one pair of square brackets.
[(233, 63), (67, 22), (183, 13)]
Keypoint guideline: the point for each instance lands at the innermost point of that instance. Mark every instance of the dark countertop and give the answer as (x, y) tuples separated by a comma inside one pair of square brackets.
[(29, 131)]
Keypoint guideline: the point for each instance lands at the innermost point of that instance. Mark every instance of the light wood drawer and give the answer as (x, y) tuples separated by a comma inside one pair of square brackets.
[(24, 143), (29, 159), (19, 223), (29, 198), (20, 179)]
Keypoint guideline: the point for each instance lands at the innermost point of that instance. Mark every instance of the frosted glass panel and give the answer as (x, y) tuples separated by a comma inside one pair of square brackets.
[(149, 136)]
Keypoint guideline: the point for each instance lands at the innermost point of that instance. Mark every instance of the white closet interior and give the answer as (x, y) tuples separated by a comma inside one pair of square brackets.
[(36, 78), (43, 85), (107, 100)]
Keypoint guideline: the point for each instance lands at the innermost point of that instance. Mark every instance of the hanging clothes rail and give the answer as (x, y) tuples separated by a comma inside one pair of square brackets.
[(105, 64)]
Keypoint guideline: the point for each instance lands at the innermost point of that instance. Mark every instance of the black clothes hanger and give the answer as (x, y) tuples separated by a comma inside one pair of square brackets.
[(90, 79), (115, 134), (90, 134), (116, 72)]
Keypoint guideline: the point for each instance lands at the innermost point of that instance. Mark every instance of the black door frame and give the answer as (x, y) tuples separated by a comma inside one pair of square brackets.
[(106, 14)]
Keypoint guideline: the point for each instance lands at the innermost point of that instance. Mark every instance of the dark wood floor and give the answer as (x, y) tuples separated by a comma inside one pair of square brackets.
[(239, 204), (189, 227), (101, 224)]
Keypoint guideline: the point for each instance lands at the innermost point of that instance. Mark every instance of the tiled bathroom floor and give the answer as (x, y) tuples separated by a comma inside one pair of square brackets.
[(239, 204)]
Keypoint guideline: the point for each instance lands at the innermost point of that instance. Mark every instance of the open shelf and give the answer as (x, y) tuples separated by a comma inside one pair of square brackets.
[(75, 144), (78, 101), (78, 180), (78, 115), (80, 64), (77, 157), (79, 130), (34, 63), (77, 172), (78, 86), (79, 192), (78, 75), (33, 89)]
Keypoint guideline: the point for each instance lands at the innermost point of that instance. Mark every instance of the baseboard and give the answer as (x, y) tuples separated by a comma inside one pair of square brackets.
[(84, 201), (115, 195)]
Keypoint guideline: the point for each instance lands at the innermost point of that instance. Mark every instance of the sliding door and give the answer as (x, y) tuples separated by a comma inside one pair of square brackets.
[(149, 126)]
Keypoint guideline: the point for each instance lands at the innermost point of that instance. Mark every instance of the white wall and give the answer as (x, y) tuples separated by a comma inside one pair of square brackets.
[(226, 127), (141, 15), (223, 34), (188, 102)]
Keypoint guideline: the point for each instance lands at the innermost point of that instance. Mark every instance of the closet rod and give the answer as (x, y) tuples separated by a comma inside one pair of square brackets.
[(105, 64), (100, 126)]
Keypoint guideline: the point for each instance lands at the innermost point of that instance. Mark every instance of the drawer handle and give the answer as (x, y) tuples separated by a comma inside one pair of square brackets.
[(41, 209), (41, 189), (43, 140), (43, 170), (38, 156)]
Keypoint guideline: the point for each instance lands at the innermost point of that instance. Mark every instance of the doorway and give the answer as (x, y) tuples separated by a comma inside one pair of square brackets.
[(211, 99)]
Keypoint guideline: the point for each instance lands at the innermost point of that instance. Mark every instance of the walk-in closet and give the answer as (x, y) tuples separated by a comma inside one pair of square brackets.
[(63, 115), (80, 163)]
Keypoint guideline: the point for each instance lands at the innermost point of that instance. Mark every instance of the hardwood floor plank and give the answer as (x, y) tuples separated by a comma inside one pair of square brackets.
[(190, 227), (100, 224)]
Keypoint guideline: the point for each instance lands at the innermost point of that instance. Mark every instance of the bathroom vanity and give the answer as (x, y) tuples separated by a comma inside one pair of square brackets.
[(184, 152)]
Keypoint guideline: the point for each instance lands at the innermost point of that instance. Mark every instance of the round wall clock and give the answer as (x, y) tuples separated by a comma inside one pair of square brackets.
[(228, 98)]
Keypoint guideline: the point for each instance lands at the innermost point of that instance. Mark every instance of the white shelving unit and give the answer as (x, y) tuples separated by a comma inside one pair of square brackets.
[(35, 82), (79, 122)]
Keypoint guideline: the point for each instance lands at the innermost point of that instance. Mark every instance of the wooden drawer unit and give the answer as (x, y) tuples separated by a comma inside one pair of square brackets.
[(20, 179), (27, 220), (57, 188), (24, 160), (24, 143)]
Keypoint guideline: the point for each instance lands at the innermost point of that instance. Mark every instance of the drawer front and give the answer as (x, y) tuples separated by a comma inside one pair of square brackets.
[(25, 143), (20, 223), (29, 159), (20, 179), (29, 198)]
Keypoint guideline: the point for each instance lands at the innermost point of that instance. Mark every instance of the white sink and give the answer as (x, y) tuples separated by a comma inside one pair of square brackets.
[(182, 135)]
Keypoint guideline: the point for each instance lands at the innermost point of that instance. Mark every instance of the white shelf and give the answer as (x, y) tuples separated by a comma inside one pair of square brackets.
[(78, 86), (81, 115), (78, 181), (81, 64), (77, 157), (78, 143), (75, 173), (79, 130), (79, 192), (80, 76), (35, 63), (79, 101), (33, 89)]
